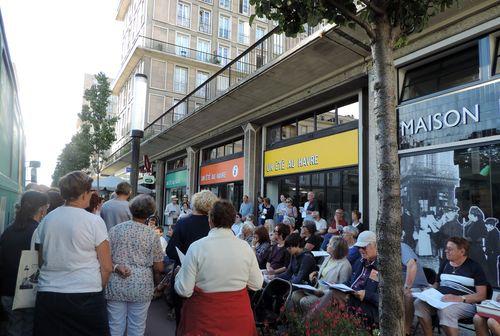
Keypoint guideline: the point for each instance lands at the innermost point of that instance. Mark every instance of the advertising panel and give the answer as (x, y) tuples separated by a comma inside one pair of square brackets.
[(222, 172)]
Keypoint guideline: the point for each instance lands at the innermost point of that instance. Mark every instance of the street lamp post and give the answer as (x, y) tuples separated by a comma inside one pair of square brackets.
[(137, 126)]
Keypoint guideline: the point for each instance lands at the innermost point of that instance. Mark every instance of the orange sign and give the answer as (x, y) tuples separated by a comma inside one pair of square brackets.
[(222, 172)]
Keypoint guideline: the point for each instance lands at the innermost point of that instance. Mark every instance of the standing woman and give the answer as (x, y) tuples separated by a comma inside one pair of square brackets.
[(217, 300), (136, 253), (75, 265), (16, 238), (476, 233)]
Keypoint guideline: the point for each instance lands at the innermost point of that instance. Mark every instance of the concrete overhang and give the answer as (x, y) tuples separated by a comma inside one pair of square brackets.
[(327, 53)]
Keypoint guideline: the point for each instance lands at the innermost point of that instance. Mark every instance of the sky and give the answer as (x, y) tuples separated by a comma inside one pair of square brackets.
[(52, 44)]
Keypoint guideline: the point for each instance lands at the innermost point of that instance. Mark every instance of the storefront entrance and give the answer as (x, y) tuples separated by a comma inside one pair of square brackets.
[(333, 189)]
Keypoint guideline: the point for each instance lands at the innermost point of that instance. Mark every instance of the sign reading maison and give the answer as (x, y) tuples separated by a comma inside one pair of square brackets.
[(469, 113), (440, 120)]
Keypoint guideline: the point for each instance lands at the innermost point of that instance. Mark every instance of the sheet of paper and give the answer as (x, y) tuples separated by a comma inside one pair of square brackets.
[(320, 253), (340, 287), (433, 297), (181, 255), (304, 287)]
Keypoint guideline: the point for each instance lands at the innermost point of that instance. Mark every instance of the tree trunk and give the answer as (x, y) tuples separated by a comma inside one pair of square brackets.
[(391, 310), (98, 173)]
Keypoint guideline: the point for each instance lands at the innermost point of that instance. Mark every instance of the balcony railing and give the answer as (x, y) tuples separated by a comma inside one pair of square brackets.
[(254, 57)]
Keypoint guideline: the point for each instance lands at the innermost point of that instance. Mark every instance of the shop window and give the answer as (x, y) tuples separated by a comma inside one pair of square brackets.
[(273, 134), (289, 131), (451, 70), (213, 153), (348, 112), (453, 193), (326, 120), (223, 150), (228, 149), (238, 146), (220, 151), (306, 126), (496, 60), (176, 164)]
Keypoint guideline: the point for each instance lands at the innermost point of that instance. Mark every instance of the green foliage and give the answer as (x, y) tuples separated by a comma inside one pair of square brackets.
[(74, 156), (407, 16), (97, 126)]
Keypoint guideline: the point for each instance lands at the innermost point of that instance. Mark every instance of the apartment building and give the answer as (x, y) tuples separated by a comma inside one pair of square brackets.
[(179, 44)]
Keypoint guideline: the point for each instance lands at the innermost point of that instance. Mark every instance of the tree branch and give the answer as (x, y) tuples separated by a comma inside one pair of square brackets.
[(353, 17), (373, 7)]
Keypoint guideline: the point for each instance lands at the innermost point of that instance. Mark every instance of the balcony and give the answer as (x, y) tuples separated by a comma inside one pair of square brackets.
[(147, 46), (254, 78)]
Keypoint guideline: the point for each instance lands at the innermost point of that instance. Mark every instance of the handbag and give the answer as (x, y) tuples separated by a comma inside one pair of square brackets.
[(27, 278)]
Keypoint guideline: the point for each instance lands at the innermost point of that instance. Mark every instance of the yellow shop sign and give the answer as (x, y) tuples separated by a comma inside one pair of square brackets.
[(334, 151)]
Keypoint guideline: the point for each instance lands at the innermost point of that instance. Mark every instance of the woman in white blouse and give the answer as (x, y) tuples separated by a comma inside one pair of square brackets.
[(214, 277)]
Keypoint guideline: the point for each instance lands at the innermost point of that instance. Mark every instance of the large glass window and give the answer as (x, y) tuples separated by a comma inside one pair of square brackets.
[(223, 54), (180, 79), (183, 14), (451, 70), (453, 193), (344, 112), (201, 77), (496, 58), (226, 149), (333, 190), (224, 27), (244, 7), (182, 44), (203, 48), (205, 21), (243, 32), (306, 126)]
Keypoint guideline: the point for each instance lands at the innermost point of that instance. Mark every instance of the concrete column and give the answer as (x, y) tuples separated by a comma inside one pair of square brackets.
[(160, 187), (372, 179), (192, 171), (252, 152)]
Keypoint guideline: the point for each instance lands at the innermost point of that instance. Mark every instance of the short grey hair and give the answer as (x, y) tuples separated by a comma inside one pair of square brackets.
[(352, 230), (142, 206)]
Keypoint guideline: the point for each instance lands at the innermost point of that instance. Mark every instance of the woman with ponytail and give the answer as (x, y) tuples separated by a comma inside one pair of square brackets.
[(16, 238)]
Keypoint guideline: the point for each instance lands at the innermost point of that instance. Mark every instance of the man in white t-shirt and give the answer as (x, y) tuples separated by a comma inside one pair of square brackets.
[(172, 211), (321, 224)]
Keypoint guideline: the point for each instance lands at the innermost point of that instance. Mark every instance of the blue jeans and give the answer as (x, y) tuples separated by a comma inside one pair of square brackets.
[(20, 320), (130, 316)]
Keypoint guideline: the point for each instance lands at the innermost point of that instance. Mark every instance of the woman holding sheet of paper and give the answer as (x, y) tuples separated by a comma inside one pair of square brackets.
[(335, 269), (462, 282)]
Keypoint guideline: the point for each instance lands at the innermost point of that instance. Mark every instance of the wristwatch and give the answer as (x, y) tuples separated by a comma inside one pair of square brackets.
[(115, 267), (463, 299)]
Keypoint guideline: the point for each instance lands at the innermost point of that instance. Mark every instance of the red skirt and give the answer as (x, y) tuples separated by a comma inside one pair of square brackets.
[(217, 314)]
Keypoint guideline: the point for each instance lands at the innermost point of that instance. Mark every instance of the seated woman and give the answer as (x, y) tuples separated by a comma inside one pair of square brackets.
[(350, 233), (302, 262), (335, 269), (260, 245), (278, 258), (217, 300), (308, 233), (461, 280), (246, 234)]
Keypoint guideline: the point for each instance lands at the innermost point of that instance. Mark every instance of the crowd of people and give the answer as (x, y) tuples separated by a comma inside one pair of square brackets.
[(101, 263)]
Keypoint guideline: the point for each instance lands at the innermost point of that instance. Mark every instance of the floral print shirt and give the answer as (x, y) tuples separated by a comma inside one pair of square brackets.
[(136, 246)]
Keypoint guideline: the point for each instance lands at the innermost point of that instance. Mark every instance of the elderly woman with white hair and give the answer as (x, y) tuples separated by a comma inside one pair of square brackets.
[(137, 253), (188, 230), (246, 232)]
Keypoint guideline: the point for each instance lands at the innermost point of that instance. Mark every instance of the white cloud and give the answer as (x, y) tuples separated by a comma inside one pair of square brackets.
[(52, 44)]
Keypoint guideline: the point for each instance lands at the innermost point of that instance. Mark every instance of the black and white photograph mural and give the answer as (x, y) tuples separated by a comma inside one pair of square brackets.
[(453, 193)]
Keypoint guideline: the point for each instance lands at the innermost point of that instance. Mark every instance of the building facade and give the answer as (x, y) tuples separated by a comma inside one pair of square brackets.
[(12, 139), (303, 122)]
